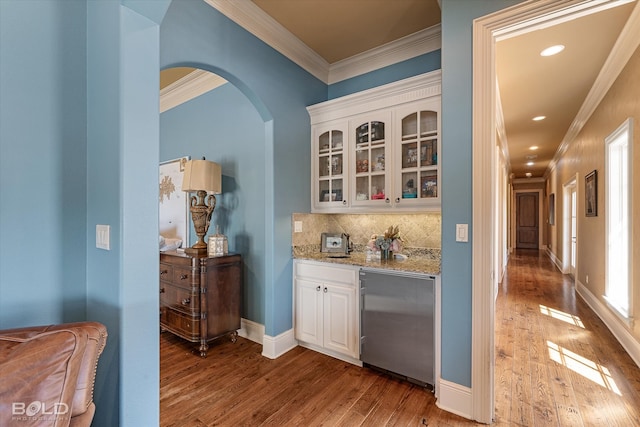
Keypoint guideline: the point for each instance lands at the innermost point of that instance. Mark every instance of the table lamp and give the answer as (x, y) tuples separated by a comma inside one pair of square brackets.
[(205, 179)]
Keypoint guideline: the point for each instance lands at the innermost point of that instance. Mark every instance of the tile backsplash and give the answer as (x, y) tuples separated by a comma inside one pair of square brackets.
[(419, 232)]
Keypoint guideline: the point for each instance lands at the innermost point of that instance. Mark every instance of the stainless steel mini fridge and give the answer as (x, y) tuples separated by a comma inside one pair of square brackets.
[(397, 323)]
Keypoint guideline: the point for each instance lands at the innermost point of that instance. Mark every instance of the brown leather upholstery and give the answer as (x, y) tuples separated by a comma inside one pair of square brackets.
[(47, 374)]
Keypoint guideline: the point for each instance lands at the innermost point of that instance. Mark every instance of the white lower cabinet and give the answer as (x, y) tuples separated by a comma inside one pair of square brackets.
[(326, 309)]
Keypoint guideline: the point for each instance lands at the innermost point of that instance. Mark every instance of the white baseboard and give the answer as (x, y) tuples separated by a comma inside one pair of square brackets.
[(622, 334), (455, 398), (555, 259), (251, 330), (274, 347)]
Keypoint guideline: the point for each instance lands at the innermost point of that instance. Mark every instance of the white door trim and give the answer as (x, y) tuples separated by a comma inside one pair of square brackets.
[(519, 19), (566, 223)]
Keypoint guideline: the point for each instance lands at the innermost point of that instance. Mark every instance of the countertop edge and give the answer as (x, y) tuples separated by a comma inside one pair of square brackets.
[(410, 265)]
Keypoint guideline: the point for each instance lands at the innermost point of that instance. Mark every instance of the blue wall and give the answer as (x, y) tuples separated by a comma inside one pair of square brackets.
[(122, 188), (42, 162), (402, 70), (193, 33), (457, 181), (225, 127)]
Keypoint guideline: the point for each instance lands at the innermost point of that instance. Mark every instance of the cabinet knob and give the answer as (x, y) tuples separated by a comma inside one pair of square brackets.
[(163, 272), (325, 289), (387, 200), (344, 202), (162, 290), (186, 301), (397, 199), (318, 288), (183, 276)]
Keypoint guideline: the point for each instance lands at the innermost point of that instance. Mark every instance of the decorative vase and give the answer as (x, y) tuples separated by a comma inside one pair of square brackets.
[(386, 255)]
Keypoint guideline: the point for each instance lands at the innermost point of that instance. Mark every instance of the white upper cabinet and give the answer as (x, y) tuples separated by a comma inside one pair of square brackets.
[(378, 150), (370, 181), (329, 161), (416, 154)]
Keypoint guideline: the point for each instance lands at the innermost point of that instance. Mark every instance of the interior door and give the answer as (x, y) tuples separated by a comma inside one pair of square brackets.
[(527, 221)]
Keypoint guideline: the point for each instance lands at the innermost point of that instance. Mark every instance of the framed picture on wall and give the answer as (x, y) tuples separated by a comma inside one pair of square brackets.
[(591, 193), (173, 202), (552, 209)]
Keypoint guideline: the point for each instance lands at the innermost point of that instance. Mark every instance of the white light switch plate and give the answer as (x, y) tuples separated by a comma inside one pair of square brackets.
[(102, 237), (462, 232), (297, 226)]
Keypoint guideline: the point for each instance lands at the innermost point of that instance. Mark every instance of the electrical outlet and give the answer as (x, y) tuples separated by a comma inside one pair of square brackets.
[(297, 226)]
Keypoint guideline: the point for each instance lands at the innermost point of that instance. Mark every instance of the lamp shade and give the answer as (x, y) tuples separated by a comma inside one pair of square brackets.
[(202, 175)]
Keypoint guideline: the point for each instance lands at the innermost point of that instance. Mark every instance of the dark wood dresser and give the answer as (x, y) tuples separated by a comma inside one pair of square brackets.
[(200, 297)]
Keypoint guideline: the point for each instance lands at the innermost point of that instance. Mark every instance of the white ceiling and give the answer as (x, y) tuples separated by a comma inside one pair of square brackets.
[(529, 85)]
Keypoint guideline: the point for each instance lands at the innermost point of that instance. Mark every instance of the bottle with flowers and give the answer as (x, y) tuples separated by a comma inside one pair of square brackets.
[(386, 243)]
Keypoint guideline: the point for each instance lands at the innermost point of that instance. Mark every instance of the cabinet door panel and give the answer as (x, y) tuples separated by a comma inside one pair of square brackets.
[(339, 319), (329, 157), (308, 326), (416, 151), (370, 159)]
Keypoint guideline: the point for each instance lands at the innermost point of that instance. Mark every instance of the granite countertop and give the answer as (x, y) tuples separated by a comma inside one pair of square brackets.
[(413, 264)]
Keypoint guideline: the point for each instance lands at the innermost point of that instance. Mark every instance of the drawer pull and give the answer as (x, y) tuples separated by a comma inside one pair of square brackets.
[(186, 301), (325, 290), (162, 290), (163, 272), (318, 288), (184, 276)]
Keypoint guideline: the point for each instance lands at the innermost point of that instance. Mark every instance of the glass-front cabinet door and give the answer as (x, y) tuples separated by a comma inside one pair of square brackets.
[(330, 183), (417, 173), (370, 160)]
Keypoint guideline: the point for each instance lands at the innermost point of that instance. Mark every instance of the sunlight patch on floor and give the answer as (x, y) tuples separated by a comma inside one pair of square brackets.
[(561, 315), (592, 371)]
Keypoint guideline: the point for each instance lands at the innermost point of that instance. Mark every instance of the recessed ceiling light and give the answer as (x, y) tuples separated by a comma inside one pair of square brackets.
[(533, 147), (552, 50), (538, 118), (529, 163), (528, 174)]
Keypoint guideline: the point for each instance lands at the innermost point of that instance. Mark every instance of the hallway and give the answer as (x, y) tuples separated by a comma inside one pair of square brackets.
[(556, 363)]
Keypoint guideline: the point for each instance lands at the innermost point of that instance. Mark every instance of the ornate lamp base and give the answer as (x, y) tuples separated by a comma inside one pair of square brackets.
[(201, 215)]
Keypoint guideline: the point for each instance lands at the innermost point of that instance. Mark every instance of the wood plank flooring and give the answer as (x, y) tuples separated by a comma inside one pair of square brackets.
[(556, 365)]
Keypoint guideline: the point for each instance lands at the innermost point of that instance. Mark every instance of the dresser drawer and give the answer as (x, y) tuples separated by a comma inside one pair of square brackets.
[(185, 278), (181, 299), (188, 327), (166, 272)]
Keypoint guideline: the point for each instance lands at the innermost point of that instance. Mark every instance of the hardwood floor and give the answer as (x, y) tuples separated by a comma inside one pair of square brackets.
[(556, 363), (538, 321)]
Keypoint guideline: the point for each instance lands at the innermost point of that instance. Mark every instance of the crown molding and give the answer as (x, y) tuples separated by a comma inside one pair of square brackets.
[(625, 46), (253, 19), (416, 44), (399, 92), (188, 87)]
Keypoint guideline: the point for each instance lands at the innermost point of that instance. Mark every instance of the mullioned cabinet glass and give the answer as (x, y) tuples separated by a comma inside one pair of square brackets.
[(370, 160), (417, 150), (329, 169)]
